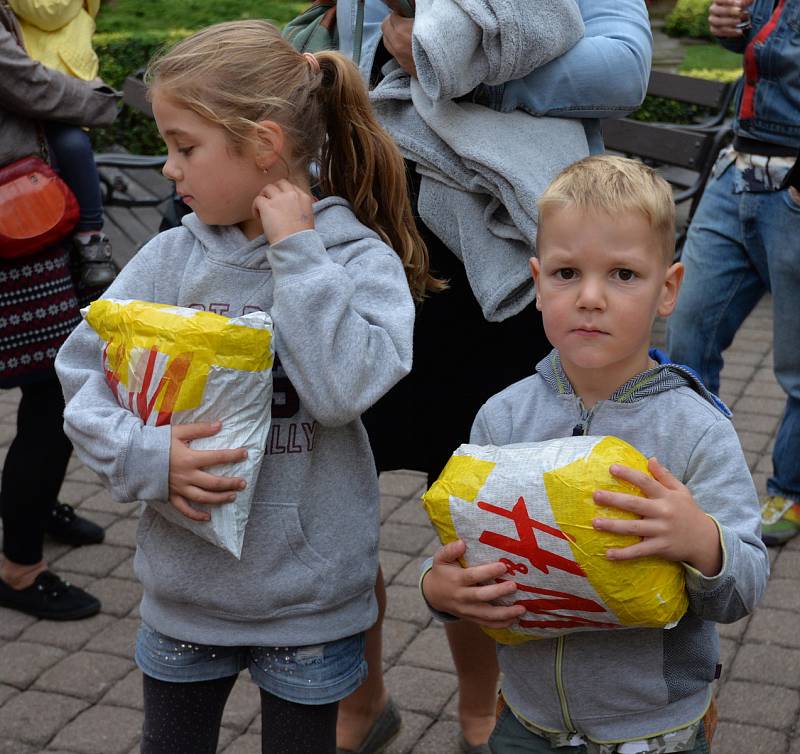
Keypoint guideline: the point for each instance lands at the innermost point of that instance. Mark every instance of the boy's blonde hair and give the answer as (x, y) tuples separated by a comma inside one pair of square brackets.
[(610, 184), (238, 73)]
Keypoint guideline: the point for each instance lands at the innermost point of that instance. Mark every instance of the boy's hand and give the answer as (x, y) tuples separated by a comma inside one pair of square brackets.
[(672, 525), (726, 16), (462, 592), (188, 481), (284, 209)]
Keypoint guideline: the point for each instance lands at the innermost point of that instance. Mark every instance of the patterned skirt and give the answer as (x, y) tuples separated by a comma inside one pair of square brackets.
[(38, 310)]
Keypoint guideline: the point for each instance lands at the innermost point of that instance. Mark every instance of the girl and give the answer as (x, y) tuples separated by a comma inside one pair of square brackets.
[(244, 116)]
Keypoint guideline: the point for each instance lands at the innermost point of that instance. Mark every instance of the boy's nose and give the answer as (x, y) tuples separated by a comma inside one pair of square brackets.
[(591, 294)]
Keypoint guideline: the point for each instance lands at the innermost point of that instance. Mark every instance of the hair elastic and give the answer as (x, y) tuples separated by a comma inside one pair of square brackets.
[(312, 61)]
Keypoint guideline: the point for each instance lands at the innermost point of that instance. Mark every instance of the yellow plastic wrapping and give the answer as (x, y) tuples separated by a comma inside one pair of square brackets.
[(531, 507)]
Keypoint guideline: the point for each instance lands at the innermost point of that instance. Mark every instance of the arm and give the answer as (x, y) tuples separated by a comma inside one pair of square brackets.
[(47, 15), (604, 75), (724, 17), (31, 90)]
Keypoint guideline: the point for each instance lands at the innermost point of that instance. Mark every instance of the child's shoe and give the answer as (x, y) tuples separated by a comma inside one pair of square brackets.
[(93, 268), (780, 520)]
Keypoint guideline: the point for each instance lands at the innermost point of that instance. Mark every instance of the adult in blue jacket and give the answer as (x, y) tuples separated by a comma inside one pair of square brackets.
[(429, 413), (742, 242)]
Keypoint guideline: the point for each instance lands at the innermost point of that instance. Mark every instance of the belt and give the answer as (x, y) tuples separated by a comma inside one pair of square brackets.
[(764, 148)]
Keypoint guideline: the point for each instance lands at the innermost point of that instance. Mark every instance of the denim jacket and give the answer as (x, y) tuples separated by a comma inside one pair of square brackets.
[(768, 101), (604, 75)]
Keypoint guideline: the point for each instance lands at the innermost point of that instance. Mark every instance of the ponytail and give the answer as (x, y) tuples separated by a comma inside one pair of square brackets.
[(361, 163)]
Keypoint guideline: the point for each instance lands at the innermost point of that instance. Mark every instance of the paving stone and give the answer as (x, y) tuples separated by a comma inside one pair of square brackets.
[(397, 635), (226, 737), (77, 579), (69, 635), (429, 649), (6, 692), (102, 502), (412, 729), (440, 738), (733, 738), (741, 357), (9, 746), (420, 690), (22, 662), (769, 664), (406, 603), (248, 744), (755, 422), (97, 560), (765, 464), (13, 622), (404, 538), (102, 730), (83, 474), (244, 704), (392, 563), (122, 532), (782, 593), (389, 503), (127, 692), (411, 512), (54, 550), (118, 596), (758, 704), (34, 717), (8, 432), (787, 565), (125, 570), (727, 652), (74, 493), (402, 484), (734, 371), (760, 405), (774, 626), (733, 630), (117, 638), (88, 675), (753, 441), (769, 389), (409, 576)]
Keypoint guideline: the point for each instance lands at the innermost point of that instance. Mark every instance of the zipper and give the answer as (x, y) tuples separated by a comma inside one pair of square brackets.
[(586, 416), (562, 697)]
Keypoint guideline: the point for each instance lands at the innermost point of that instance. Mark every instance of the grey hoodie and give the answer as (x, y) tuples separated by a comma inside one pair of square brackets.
[(637, 683), (343, 319)]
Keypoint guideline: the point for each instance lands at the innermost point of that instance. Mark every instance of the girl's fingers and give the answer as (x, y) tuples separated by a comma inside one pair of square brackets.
[(183, 507)]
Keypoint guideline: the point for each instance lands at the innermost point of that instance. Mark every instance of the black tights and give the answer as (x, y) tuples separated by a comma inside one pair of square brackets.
[(184, 718), (33, 470)]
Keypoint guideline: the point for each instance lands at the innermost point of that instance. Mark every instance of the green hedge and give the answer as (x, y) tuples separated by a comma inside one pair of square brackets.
[(689, 18)]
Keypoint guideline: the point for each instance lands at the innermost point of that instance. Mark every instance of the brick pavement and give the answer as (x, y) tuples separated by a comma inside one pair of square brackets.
[(72, 687)]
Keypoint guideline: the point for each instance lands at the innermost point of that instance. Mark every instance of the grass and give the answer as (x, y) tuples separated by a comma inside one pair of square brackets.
[(134, 16), (711, 61)]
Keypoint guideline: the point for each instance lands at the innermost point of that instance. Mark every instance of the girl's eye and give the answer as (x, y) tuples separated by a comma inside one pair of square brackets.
[(626, 275), (185, 150), (565, 273)]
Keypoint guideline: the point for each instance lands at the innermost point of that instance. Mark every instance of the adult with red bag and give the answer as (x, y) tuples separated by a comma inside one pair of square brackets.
[(38, 309)]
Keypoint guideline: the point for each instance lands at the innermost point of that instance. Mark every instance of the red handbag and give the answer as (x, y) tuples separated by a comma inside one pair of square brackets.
[(36, 207)]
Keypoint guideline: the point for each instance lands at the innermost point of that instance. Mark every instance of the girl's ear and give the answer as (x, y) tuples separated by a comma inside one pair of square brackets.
[(270, 142)]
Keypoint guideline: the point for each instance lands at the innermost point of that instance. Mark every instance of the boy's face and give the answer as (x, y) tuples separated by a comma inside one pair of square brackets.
[(600, 282)]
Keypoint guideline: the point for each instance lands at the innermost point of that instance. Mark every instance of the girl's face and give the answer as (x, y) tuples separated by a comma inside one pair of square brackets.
[(217, 181)]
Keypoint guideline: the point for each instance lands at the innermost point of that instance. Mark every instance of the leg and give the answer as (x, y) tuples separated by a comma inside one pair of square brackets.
[(359, 711), (721, 286), (510, 737), (183, 718), (75, 162), (292, 728)]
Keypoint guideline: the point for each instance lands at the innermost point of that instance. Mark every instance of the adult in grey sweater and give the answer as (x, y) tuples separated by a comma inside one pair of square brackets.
[(343, 319)]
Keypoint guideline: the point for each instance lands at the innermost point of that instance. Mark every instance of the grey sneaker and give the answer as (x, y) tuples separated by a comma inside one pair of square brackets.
[(92, 264), (383, 731)]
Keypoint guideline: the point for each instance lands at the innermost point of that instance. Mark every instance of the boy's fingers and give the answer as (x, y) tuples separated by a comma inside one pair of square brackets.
[(183, 507), (214, 483), (492, 592), (644, 482), (662, 474), (204, 497), (206, 458), (187, 432), (637, 527), (639, 550), (486, 572), (449, 553), (631, 503)]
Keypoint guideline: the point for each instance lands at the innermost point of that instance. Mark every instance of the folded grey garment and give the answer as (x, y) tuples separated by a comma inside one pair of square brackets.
[(497, 268), (459, 44)]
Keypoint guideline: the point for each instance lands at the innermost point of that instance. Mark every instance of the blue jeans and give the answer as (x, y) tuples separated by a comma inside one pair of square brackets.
[(319, 674), (511, 737), (72, 156), (741, 245)]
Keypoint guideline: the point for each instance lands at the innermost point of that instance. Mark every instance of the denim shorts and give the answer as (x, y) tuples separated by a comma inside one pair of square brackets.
[(316, 674)]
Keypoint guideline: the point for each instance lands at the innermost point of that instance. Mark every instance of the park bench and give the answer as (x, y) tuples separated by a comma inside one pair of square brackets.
[(683, 153)]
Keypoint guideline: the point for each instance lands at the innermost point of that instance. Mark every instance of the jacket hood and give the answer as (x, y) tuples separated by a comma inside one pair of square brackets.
[(665, 376), (333, 220)]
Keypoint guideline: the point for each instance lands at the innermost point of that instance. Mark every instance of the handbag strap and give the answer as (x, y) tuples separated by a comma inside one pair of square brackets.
[(358, 32)]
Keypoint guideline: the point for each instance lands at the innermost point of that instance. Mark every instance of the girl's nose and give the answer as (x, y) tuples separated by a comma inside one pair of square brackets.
[(169, 170)]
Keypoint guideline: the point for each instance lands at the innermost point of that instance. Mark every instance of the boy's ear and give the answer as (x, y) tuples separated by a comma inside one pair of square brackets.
[(270, 141), (669, 294), (535, 271)]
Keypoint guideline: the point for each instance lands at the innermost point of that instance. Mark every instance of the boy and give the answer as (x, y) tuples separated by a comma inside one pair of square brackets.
[(603, 272)]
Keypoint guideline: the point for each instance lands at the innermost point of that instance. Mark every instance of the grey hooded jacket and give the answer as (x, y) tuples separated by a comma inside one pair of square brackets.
[(637, 683), (343, 319)]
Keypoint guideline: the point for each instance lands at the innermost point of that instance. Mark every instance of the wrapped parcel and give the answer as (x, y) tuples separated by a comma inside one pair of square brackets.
[(530, 507), (174, 365)]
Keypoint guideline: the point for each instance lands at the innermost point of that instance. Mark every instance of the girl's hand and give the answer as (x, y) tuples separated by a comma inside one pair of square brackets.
[(672, 526), (725, 15), (284, 209), (462, 592), (188, 481)]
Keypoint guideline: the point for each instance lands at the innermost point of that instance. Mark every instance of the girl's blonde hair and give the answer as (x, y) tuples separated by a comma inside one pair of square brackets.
[(611, 184), (238, 73)]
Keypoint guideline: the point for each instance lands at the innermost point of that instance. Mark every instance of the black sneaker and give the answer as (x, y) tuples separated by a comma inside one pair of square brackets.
[(51, 598), (93, 267), (67, 527)]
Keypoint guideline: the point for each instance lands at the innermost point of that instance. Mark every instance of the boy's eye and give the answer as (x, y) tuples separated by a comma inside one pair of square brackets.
[(626, 275), (565, 273)]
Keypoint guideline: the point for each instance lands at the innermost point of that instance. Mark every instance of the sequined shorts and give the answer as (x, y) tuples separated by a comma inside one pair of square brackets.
[(317, 674)]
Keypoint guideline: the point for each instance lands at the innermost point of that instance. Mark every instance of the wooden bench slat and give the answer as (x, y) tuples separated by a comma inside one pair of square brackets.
[(648, 141), (703, 92)]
